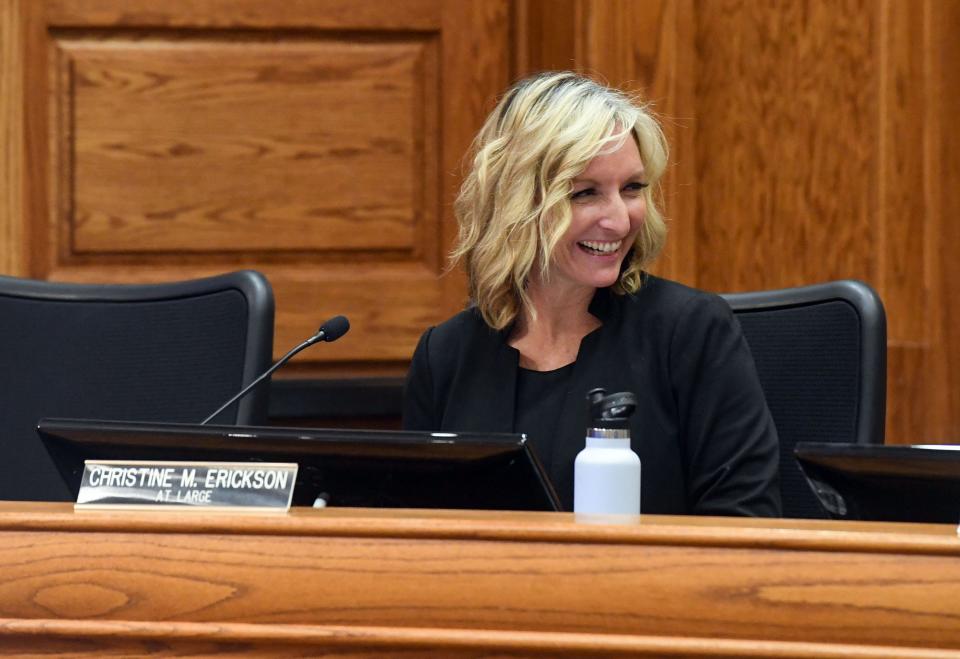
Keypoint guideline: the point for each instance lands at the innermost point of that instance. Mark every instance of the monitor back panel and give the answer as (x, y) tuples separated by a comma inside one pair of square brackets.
[(376, 468)]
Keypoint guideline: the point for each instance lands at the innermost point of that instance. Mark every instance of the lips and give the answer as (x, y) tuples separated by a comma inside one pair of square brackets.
[(600, 248)]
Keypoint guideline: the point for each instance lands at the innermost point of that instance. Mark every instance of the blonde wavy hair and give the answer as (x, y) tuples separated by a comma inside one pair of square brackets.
[(514, 204)]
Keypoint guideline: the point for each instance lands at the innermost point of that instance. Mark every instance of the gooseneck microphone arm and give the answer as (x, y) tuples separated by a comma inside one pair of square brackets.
[(331, 330)]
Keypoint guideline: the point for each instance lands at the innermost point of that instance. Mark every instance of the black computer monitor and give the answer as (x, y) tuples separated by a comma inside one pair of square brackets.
[(919, 483), (364, 468)]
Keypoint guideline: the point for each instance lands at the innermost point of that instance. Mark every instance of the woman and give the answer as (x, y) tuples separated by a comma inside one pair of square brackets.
[(557, 222)]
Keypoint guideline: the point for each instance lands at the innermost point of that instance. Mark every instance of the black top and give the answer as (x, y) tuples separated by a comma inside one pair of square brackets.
[(540, 398), (705, 438)]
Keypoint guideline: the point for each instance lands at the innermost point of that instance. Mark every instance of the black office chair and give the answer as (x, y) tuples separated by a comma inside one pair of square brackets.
[(156, 352), (821, 352)]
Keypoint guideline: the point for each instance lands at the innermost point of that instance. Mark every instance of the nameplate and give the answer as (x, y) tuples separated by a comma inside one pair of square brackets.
[(187, 485)]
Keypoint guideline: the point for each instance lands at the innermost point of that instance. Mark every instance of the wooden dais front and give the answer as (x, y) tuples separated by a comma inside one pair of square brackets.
[(448, 583)]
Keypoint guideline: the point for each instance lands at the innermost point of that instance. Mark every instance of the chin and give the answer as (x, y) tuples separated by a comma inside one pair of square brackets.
[(591, 274), (601, 282), (607, 278)]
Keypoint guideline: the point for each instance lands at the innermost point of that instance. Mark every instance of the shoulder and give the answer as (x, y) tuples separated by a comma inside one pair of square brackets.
[(456, 336), (674, 304), (460, 328)]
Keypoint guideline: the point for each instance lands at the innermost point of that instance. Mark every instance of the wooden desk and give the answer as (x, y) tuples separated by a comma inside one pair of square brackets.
[(355, 582)]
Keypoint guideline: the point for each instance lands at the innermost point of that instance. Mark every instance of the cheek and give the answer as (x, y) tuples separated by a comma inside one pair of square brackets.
[(580, 219), (638, 213)]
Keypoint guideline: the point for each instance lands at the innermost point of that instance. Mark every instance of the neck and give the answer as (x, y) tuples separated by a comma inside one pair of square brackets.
[(551, 338), (559, 311)]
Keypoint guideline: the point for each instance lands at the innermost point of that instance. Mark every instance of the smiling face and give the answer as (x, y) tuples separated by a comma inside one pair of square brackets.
[(608, 207)]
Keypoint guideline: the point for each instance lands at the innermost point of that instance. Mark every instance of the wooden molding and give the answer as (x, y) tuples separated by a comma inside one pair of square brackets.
[(461, 582)]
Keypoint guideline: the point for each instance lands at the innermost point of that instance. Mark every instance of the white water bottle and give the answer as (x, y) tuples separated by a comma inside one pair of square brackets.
[(606, 474)]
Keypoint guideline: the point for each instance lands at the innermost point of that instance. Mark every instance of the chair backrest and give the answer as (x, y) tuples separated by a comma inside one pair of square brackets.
[(821, 353), (155, 352)]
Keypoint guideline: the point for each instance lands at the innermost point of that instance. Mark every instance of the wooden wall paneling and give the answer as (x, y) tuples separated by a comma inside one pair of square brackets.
[(187, 150), (903, 218), (11, 135), (314, 142), (400, 15), (22, 134), (904, 221), (162, 116), (943, 191), (786, 105), (613, 42), (544, 36)]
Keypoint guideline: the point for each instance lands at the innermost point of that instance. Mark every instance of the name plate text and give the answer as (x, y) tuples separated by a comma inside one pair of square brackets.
[(187, 485)]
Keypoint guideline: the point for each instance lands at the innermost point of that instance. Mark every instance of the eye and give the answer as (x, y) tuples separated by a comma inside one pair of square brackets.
[(582, 194), (635, 186)]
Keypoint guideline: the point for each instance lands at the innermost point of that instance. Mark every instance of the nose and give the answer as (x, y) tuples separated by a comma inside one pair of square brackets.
[(616, 216)]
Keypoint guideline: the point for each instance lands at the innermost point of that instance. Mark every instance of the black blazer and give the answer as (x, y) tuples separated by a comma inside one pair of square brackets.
[(706, 441)]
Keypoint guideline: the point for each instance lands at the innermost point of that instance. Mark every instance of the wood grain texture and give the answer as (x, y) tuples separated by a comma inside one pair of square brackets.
[(237, 14), (916, 282), (909, 399), (11, 135), (388, 306), (99, 638), (941, 104), (35, 157), (944, 19), (786, 138), (356, 581), (544, 36), (904, 219), (205, 146), (22, 135)]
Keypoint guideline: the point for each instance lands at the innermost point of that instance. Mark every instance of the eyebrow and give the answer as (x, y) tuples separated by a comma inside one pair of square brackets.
[(640, 173)]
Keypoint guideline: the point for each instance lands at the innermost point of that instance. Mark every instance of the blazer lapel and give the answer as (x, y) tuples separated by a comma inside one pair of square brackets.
[(485, 389), (502, 390)]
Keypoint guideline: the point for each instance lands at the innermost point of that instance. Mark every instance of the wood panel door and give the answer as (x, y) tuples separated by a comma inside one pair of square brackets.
[(811, 141), (318, 142)]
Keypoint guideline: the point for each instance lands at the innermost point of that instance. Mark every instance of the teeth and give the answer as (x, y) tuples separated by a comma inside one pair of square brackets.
[(604, 248)]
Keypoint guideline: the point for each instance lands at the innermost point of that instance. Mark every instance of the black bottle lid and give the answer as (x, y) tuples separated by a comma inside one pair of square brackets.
[(610, 410)]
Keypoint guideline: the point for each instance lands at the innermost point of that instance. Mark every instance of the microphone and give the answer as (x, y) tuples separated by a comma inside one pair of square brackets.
[(331, 330)]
